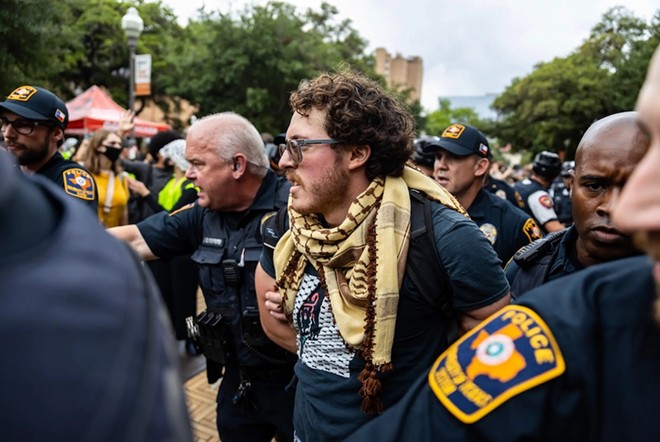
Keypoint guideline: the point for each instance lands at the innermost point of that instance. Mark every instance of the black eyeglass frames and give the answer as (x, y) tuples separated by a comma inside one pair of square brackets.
[(295, 147), (20, 125)]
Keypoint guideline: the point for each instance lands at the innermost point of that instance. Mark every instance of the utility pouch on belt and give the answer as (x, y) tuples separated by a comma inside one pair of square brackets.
[(213, 336)]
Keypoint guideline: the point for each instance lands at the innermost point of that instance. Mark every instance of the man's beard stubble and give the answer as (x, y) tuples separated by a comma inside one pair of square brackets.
[(27, 157)]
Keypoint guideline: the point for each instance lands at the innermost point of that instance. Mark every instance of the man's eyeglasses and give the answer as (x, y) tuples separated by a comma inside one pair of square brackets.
[(23, 127), (295, 148)]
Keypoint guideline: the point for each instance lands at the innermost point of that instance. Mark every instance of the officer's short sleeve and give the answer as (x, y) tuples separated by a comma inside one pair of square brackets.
[(173, 234), (266, 261), (542, 206), (471, 263)]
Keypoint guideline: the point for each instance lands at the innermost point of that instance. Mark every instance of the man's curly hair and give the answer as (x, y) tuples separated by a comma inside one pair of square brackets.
[(360, 112)]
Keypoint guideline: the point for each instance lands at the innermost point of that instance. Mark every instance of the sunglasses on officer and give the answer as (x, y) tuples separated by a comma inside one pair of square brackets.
[(22, 126), (295, 148)]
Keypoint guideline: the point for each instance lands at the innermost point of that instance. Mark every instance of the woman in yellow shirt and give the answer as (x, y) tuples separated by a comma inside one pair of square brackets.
[(102, 160)]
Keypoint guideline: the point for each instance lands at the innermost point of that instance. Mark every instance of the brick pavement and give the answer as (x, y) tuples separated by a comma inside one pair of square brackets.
[(201, 406)]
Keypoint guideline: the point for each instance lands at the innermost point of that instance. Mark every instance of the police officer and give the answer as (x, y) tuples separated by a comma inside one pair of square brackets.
[(87, 353), (503, 190), (574, 360), (236, 190), (33, 120), (534, 191), (560, 191), (422, 157), (606, 156), (462, 162)]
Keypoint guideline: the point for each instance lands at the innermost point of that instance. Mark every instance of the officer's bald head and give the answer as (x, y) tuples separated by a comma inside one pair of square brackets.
[(605, 127), (606, 157)]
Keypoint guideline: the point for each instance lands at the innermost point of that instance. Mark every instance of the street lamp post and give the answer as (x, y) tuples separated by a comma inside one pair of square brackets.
[(132, 25)]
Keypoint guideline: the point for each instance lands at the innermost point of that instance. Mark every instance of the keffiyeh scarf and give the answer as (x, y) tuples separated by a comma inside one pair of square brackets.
[(361, 262)]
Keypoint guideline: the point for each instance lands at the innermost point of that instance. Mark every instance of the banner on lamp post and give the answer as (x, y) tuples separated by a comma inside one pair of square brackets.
[(142, 75)]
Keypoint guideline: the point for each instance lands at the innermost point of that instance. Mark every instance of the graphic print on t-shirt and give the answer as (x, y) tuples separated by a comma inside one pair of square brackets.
[(320, 346)]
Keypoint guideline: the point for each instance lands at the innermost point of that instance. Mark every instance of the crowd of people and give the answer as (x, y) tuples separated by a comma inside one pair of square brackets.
[(360, 283)]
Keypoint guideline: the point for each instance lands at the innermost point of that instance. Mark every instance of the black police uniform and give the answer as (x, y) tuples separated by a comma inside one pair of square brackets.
[(252, 401), (87, 354), (545, 260), (574, 360), (73, 178), (506, 227), (505, 191), (537, 200), (561, 198)]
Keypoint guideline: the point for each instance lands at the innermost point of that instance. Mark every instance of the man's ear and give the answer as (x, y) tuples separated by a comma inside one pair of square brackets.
[(481, 167), (239, 166), (359, 155), (58, 133)]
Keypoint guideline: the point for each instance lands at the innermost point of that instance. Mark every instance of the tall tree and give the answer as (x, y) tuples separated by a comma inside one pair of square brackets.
[(438, 120), (32, 33), (250, 63), (553, 106)]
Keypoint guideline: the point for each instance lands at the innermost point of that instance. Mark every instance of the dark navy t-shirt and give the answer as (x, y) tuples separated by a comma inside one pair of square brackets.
[(327, 400)]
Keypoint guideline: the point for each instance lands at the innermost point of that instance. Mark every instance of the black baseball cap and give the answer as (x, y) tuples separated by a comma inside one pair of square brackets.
[(462, 140), (37, 103)]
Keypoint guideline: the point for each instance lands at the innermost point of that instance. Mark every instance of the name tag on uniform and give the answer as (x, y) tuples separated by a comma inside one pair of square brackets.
[(214, 242), (509, 353)]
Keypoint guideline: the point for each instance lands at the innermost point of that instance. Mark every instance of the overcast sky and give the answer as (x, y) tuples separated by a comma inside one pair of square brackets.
[(469, 47)]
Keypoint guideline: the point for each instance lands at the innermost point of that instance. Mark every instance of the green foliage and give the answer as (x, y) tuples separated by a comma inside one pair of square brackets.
[(551, 108), (250, 63), (32, 33), (438, 120)]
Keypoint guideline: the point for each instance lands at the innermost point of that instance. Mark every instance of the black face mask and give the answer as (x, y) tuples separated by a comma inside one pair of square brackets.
[(111, 153)]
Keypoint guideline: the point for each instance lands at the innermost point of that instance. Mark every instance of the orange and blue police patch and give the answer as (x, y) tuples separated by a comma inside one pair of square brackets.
[(507, 354), (531, 230), (79, 183)]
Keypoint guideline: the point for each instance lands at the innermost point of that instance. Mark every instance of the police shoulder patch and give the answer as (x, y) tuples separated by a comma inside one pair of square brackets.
[(507, 354), (546, 201), (532, 230), (79, 183), (182, 209)]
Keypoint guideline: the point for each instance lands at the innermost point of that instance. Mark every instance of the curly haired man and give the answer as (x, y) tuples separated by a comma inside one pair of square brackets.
[(336, 288)]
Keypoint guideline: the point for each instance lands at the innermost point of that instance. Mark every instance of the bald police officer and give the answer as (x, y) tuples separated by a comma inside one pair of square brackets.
[(33, 120), (606, 156), (577, 359), (462, 162)]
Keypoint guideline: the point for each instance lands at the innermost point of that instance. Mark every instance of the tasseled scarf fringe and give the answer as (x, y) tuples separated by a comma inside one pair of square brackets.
[(371, 385)]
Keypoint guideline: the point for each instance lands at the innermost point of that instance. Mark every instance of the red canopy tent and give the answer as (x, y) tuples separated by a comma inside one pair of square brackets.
[(94, 109)]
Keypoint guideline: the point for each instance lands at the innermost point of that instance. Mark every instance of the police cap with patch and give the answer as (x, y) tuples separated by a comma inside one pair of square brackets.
[(462, 140), (36, 103)]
